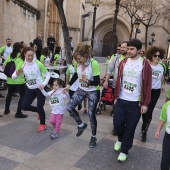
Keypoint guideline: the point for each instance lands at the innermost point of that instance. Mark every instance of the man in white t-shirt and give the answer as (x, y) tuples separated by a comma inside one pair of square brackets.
[(6, 50), (133, 94)]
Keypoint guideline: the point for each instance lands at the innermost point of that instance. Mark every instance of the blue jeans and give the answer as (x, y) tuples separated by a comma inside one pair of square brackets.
[(126, 118)]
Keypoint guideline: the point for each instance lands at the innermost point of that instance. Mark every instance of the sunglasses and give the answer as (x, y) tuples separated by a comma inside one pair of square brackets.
[(118, 49), (157, 56)]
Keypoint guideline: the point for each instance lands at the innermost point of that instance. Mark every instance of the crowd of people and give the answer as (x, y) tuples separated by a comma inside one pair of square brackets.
[(138, 79)]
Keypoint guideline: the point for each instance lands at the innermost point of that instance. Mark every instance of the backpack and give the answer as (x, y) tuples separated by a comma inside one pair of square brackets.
[(9, 68)]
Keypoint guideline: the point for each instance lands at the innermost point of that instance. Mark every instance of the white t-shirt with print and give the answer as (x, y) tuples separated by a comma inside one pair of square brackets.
[(86, 71), (157, 73), (7, 52), (57, 100), (131, 80)]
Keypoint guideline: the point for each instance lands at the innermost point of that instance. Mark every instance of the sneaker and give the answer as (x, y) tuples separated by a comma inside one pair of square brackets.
[(117, 146), (54, 135), (1, 96), (85, 112), (16, 94), (38, 116), (122, 157), (81, 129), (6, 112), (143, 136), (79, 107), (20, 115), (92, 143), (41, 128)]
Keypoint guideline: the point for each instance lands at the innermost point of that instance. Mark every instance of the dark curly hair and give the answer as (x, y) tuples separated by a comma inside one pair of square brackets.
[(149, 53)]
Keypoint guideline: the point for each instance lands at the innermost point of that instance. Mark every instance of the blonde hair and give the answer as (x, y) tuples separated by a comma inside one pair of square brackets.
[(84, 50)]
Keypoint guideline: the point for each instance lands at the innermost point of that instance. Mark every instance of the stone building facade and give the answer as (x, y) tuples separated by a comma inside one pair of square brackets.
[(22, 20), (18, 20)]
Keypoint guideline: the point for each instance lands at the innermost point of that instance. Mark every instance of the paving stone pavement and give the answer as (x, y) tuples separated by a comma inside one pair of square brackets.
[(22, 148)]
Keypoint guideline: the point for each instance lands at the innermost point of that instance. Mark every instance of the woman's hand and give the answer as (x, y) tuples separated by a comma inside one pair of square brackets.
[(84, 79), (41, 86), (157, 135), (19, 72)]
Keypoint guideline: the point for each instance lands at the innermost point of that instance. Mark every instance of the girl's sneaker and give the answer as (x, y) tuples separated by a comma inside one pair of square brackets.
[(54, 135), (117, 146), (41, 128)]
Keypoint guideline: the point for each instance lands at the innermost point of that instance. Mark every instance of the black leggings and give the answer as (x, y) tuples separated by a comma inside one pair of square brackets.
[(77, 98), (29, 97), (165, 162), (147, 117), (11, 89)]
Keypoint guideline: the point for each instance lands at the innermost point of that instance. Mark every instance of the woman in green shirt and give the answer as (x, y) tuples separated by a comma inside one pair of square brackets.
[(15, 84)]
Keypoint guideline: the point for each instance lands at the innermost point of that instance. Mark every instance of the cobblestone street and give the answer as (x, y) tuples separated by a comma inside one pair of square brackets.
[(22, 148)]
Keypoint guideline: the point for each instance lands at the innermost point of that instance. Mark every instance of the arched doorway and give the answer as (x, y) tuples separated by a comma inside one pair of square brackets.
[(107, 44)]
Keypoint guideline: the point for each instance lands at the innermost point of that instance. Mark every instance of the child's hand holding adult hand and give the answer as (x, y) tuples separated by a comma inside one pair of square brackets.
[(41, 86)]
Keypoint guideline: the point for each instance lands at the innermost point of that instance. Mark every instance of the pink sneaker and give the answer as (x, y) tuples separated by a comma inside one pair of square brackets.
[(41, 128)]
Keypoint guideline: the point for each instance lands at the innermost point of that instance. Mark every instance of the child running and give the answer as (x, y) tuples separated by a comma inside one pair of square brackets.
[(57, 102)]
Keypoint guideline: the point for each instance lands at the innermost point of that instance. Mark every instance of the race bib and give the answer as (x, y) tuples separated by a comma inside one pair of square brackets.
[(54, 101), (31, 82), (129, 87)]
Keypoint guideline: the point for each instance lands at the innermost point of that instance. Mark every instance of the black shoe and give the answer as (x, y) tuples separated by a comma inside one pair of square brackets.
[(143, 136), (6, 112), (2, 96), (81, 129), (79, 107), (21, 115), (92, 143)]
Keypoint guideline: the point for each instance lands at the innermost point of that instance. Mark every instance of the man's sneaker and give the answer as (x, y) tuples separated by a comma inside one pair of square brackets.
[(143, 136), (38, 116), (54, 135), (41, 128), (81, 129), (122, 157), (79, 107), (20, 115), (6, 112), (85, 111), (117, 146), (92, 143)]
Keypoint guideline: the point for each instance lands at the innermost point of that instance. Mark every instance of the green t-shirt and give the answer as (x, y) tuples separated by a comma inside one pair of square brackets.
[(2, 49), (56, 57), (19, 79), (165, 116), (107, 64)]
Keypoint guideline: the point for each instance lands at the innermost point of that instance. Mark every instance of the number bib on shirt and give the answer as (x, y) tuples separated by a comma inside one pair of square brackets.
[(129, 87), (54, 101), (31, 82)]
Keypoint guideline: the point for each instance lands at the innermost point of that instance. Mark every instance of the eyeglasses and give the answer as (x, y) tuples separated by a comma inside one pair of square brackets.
[(118, 49), (157, 55)]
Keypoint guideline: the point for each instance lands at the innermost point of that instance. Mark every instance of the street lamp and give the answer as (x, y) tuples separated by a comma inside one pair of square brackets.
[(136, 23), (95, 3), (152, 39)]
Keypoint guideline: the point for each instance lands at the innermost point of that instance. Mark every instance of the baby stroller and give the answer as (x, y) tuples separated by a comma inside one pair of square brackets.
[(107, 97)]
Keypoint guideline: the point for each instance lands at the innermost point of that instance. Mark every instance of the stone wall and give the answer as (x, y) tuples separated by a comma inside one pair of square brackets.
[(17, 22)]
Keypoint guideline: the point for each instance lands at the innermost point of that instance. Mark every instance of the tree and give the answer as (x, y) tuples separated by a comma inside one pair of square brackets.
[(117, 4), (131, 8), (59, 4)]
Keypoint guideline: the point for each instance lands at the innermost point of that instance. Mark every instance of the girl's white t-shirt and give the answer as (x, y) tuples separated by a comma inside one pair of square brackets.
[(131, 80), (157, 73)]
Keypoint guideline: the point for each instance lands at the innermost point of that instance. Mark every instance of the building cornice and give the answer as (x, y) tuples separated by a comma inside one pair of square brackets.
[(73, 29), (27, 6)]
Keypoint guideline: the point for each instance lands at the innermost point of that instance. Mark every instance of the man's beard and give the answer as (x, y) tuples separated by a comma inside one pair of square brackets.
[(9, 44), (133, 56), (124, 53)]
